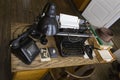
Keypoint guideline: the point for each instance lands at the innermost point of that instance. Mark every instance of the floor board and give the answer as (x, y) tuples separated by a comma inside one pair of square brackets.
[(5, 63), (24, 11)]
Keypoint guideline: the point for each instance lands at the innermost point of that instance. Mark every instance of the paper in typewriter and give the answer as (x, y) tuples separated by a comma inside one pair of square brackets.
[(69, 21)]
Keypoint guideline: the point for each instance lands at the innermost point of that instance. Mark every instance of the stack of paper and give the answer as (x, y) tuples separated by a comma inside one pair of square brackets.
[(69, 21), (105, 54)]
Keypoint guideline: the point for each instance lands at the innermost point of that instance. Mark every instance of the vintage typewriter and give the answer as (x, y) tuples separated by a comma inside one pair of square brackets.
[(71, 37), (71, 42)]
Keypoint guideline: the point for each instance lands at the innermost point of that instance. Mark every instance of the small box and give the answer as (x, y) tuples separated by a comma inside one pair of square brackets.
[(53, 52)]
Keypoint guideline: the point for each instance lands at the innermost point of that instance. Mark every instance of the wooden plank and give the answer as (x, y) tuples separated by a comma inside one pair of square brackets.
[(78, 3), (81, 4), (5, 66), (18, 65), (84, 5), (30, 75)]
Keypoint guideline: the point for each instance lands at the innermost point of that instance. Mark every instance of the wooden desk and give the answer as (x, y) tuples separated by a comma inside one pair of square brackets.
[(18, 65)]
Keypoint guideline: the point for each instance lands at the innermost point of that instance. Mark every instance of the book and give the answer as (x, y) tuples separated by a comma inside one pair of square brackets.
[(105, 54)]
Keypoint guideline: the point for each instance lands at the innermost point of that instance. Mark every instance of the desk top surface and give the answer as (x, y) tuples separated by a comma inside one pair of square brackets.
[(18, 65)]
